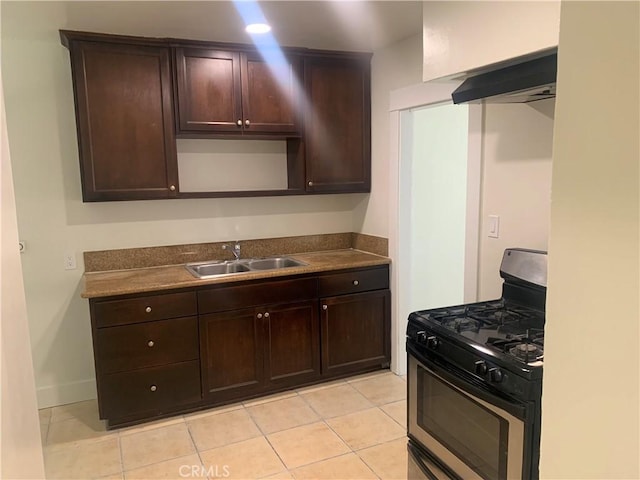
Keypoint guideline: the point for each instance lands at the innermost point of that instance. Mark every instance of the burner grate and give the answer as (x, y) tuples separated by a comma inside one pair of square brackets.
[(526, 348), (488, 315)]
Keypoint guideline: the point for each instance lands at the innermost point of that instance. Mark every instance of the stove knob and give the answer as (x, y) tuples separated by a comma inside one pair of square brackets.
[(432, 342), (421, 336), (495, 375), (481, 367)]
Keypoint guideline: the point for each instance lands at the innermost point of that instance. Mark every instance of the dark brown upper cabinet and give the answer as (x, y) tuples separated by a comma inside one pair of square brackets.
[(124, 119), (134, 96), (237, 92), (338, 123)]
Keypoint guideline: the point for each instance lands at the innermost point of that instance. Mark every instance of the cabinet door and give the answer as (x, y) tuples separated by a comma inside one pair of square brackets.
[(208, 90), (355, 332), (125, 121), (338, 125), (270, 93), (292, 342), (231, 353)]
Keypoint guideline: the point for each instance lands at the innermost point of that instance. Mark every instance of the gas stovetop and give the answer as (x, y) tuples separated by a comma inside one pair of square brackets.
[(498, 341), (498, 324), (513, 330)]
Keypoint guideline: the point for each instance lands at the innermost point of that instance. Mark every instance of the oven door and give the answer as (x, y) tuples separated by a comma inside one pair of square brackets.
[(474, 432), (422, 467)]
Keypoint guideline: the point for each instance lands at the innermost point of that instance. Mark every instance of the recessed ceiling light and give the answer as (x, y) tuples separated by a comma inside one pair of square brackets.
[(258, 28)]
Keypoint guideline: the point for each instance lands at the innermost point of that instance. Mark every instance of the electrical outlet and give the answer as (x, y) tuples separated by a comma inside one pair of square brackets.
[(69, 261)]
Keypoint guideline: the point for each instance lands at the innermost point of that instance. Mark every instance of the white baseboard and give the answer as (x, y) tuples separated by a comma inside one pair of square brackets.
[(54, 395)]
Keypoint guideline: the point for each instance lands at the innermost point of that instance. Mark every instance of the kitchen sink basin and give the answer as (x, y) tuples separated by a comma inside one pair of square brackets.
[(213, 269), (229, 267), (273, 263)]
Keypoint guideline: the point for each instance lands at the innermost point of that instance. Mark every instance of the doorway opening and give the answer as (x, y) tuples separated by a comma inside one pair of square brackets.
[(435, 204)]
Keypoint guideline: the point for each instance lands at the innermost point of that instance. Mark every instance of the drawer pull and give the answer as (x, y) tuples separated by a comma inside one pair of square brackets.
[(324, 307), (148, 309), (150, 343), (356, 283), (266, 315), (153, 388), (259, 315)]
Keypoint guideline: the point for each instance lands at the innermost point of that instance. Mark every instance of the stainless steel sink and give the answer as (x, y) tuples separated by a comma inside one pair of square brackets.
[(274, 263), (213, 269), (231, 267)]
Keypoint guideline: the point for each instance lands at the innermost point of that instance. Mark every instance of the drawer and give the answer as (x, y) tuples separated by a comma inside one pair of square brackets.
[(353, 282), (263, 293), (143, 309), (151, 390), (148, 344)]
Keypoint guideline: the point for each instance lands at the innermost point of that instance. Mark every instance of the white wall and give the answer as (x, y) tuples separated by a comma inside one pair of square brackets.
[(516, 184), (396, 66), (464, 35), (207, 165), (591, 399), (53, 220), (20, 447), (438, 204)]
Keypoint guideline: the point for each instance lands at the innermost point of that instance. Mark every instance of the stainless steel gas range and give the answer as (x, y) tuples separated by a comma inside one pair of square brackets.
[(475, 380)]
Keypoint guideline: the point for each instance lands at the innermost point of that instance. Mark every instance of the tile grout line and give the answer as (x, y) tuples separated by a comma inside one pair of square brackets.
[(120, 456), (193, 441), (388, 415), (166, 459), (277, 454), (334, 457)]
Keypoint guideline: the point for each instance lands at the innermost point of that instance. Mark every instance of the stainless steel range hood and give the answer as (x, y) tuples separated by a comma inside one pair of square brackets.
[(528, 80)]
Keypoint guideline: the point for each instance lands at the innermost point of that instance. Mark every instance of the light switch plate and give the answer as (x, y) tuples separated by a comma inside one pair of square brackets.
[(494, 226)]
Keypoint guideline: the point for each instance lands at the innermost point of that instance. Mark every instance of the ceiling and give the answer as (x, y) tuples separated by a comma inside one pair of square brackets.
[(328, 24)]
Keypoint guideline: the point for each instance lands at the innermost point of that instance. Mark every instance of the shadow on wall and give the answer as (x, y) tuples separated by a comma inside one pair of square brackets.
[(524, 130)]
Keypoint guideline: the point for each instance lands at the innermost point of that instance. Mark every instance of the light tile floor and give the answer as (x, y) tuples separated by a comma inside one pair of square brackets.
[(347, 429)]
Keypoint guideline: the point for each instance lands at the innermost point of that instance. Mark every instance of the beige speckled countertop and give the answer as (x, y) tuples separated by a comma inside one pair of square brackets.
[(140, 280)]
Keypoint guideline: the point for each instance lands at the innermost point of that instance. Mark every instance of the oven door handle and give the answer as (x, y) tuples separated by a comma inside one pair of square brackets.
[(423, 464), (518, 410)]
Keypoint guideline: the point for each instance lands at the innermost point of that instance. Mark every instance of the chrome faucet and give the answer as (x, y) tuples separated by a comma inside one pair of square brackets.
[(235, 249)]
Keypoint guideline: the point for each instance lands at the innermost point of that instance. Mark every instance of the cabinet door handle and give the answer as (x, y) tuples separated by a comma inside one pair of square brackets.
[(259, 315), (172, 188), (247, 123), (153, 388), (148, 309), (266, 315), (310, 184), (324, 307), (150, 343), (356, 283), (239, 123)]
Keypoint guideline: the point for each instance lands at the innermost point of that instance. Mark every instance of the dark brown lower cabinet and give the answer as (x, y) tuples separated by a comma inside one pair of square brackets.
[(158, 354), (251, 350), (355, 332)]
